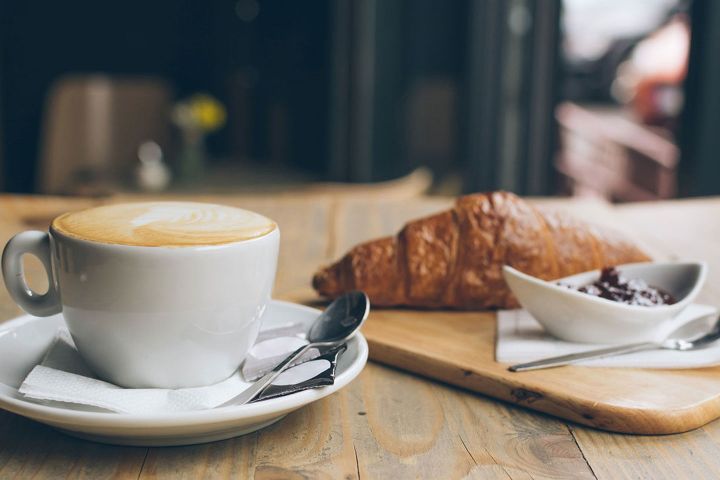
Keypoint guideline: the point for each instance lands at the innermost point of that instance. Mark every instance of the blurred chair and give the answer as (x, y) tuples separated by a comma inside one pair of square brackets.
[(92, 127)]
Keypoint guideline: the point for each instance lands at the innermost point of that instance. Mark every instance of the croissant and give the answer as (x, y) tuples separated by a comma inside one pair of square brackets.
[(454, 259)]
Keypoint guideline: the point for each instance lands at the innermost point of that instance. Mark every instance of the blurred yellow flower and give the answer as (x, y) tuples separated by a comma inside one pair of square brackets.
[(200, 113), (207, 112)]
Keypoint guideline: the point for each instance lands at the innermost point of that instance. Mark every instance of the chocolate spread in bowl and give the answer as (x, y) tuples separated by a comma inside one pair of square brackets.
[(634, 291)]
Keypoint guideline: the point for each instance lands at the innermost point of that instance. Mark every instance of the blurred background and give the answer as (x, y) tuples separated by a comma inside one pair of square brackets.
[(607, 98)]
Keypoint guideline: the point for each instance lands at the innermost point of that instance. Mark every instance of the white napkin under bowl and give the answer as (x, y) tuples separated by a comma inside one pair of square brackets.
[(520, 339)]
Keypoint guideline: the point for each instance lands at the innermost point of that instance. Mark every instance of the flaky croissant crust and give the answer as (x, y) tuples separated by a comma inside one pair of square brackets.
[(454, 259)]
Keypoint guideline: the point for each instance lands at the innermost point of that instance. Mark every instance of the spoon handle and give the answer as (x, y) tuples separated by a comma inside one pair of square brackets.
[(576, 357), (261, 384)]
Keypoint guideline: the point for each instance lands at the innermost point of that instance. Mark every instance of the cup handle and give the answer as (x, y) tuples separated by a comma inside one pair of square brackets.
[(38, 244)]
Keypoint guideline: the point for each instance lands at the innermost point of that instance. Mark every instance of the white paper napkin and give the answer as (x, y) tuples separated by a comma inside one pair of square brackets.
[(62, 376), (520, 339)]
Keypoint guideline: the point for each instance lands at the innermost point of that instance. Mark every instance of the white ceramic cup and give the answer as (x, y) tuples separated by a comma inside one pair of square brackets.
[(151, 317)]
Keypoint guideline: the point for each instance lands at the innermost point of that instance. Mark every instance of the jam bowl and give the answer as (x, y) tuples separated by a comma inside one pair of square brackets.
[(574, 316)]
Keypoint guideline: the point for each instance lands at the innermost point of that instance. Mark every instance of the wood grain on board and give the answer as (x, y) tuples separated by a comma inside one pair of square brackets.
[(387, 423), (458, 348)]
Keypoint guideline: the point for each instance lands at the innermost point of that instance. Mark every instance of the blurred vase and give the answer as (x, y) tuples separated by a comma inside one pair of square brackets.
[(196, 116), (192, 157)]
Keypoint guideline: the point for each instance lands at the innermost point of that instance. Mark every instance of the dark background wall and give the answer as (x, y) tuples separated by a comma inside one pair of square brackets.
[(700, 127), (275, 52), (348, 90)]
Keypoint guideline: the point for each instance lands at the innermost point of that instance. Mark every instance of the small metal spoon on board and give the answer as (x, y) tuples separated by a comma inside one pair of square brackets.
[(693, 335)]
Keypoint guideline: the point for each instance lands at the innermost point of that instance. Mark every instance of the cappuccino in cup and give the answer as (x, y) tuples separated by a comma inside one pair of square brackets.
[(164, 224), (159, 294)]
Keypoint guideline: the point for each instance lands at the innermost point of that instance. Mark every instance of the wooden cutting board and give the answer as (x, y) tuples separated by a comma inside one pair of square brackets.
[(458, 348)]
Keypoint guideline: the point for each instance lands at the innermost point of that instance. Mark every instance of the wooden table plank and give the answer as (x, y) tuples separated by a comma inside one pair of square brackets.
[(692, 455), (387, 423), (32, 450)]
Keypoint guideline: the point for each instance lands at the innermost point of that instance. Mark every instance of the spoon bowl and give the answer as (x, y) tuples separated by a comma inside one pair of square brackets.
[(341, 319), (333, 327), (694, 335)]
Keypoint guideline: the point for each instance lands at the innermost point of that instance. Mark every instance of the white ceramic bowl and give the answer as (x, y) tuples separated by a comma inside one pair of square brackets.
[(578, 317)]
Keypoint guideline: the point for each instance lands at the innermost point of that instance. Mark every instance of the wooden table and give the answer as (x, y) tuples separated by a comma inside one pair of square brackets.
[(386, 424)]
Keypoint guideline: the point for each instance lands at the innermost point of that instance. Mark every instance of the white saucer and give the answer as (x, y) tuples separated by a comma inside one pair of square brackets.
[(23, 342)]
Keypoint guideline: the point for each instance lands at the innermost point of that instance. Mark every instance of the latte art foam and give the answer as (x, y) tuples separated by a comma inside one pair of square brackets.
[(164, 224)]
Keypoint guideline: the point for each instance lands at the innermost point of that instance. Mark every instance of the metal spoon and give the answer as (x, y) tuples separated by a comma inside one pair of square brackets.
[(335, 326), (693, 335)]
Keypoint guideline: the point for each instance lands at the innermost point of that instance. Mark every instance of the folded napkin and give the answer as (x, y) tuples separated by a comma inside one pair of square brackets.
[(520, 339), (62, 376)]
